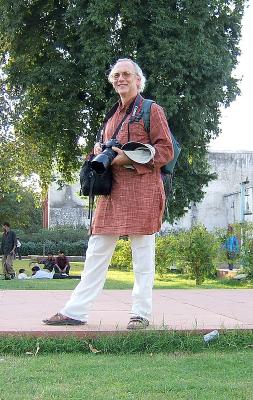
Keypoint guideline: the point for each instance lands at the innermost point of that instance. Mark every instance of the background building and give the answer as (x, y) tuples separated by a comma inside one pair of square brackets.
[(65, 206), (228, 199)]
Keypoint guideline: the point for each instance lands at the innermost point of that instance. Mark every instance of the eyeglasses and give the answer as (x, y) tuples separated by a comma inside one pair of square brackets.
[(124, 74)]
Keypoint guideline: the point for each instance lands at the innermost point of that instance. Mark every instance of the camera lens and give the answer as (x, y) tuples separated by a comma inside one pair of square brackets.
[(102, 161)]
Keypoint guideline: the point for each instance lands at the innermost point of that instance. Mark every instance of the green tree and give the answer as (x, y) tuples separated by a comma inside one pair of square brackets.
[(55, 54), (19, 207), (20, 159)]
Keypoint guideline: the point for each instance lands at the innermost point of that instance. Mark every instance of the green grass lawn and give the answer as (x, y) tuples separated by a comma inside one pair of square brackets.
[(202, 376), (116, 280)]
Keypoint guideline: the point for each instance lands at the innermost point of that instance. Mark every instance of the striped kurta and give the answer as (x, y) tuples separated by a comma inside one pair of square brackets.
[(136, 203)]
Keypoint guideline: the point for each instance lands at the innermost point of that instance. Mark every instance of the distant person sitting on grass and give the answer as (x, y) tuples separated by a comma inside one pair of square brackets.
[(49, 262), (38, 273), (62, 265), (22, 274)]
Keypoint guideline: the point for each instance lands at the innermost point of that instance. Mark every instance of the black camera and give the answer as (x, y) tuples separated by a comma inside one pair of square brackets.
[(102, 161)]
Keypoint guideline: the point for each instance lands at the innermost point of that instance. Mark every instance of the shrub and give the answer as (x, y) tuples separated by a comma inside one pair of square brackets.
[(247, 249), (122, 258), (198, 252), (194, 252), (166, 253), (247, 258)]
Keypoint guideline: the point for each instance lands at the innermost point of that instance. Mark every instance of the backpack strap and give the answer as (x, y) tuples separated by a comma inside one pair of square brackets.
[(144, 108)]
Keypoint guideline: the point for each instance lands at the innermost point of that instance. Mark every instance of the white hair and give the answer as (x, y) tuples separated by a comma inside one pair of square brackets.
[(137, 69)]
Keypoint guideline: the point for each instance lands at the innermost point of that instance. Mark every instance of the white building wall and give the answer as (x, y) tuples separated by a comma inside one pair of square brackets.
[(221, 204)]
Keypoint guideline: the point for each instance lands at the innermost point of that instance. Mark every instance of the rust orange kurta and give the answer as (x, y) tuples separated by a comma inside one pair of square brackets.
[(136, 203)]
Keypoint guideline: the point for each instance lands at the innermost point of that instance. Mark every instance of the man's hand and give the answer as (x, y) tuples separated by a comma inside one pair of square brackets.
[(121, 158), (97, 149)]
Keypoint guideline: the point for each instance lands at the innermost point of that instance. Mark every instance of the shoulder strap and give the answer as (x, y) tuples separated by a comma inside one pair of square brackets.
[(131, 109), (143, 113), (146, 108)]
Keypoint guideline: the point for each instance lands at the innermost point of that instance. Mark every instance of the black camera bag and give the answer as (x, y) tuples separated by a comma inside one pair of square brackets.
[(92, 183)]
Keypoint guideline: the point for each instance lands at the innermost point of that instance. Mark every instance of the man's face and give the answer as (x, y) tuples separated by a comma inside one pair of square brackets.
[(5, 228), (127, 83)]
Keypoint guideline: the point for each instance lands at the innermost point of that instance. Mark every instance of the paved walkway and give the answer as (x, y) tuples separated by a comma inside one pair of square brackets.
[(22, 311)]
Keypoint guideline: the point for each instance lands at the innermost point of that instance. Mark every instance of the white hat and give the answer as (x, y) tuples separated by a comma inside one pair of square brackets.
[(139, 152)]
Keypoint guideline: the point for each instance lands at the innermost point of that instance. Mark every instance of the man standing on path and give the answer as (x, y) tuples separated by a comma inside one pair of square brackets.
[(8, 247), (134, 207)]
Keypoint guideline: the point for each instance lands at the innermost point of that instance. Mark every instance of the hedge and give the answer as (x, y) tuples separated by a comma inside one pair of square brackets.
[(72, 241), (40, 248)]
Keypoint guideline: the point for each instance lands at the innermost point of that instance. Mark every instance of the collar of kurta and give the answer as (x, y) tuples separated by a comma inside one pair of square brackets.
[(126, 105)]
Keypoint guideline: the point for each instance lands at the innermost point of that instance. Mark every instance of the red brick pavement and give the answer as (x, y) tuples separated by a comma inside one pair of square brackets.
[(22, 311)]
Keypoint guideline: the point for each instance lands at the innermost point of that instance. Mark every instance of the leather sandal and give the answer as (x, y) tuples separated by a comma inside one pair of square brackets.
[(60, 319), (136, 323)]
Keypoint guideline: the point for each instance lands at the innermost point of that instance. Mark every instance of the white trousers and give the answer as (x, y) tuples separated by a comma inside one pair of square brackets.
[(98, 257)]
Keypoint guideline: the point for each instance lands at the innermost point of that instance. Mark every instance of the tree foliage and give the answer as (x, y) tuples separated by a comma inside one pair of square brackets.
[(55, 54), (20, 209)]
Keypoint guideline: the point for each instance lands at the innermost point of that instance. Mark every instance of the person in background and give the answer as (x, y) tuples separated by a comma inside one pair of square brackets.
[(22, 274), (8, 248), (49, 262), (38, 273), (18, 248), (62, 265), (232, 247)]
